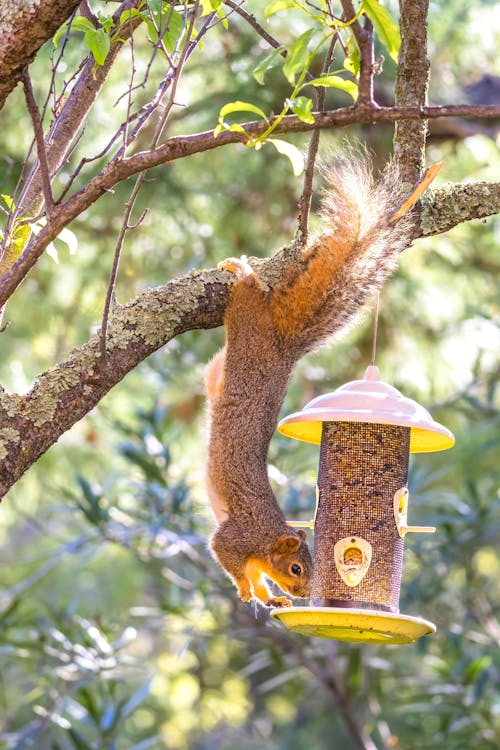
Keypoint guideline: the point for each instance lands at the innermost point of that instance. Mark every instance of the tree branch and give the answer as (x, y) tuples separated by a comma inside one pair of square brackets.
[(40, 143), (412, 81), (61, 396), (364, 40), (18, 48), (449, 205), (179, 147)]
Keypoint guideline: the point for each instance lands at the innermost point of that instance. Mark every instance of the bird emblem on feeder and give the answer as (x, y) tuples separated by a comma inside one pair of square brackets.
[(366, 430)]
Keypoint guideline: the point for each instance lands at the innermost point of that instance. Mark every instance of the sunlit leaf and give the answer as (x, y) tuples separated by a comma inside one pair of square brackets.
[(69, 239), (208, 6), (79, 23), (302, 107), (51, 251), (232, 107), (292, 152), (298, 56), (127, 15), (336, 82), (271, 60), (240, 106), (278, 5), (98, 43), (387, 30), (174, 32), (8, 201)]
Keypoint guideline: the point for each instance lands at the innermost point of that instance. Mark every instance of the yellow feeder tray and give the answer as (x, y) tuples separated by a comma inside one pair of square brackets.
[(358, 625)]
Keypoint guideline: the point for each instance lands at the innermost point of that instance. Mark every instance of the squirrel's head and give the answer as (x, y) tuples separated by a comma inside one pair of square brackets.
[(292, 564)]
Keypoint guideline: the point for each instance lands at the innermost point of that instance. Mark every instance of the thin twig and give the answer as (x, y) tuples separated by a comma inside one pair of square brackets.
[(40, 142), (116, 262), (252, 21), (312, 152)]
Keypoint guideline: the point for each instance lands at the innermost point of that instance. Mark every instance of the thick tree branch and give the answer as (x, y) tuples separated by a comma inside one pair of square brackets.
[(451, 204), (61, 396), (412, 81), (179, 147), (17, 47)]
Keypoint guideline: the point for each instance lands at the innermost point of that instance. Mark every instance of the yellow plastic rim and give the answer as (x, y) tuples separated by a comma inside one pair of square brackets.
[(358, 625), (421, 440)]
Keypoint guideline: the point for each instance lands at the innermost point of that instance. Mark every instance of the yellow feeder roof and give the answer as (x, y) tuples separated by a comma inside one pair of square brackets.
[(368, 400)]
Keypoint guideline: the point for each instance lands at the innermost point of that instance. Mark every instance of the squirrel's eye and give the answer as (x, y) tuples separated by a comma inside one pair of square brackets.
[(296, 569)]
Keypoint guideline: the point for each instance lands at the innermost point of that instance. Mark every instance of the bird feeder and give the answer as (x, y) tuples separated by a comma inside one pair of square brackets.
[(366, 430)]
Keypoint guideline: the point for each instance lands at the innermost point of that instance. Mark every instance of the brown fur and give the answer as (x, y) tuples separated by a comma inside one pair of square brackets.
[(267, 331)]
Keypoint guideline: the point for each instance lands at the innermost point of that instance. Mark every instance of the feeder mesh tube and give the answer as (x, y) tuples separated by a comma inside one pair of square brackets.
[(361, 467)]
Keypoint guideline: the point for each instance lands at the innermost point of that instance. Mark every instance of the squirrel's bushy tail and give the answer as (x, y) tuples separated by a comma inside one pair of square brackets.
[(343, 267)]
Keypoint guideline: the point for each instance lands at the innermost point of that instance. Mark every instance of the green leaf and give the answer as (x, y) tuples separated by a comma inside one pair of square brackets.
[(8, 201), (221, 15), (302, 107), (292, 152), (174, 31), (208, 6), (354, 57), (269, 61), (236, 106), (278, 5), (239, 106), (298, 56), (80, 23), (387, 30), (336, 82), (351, 64), (98, 43), (127, 15)]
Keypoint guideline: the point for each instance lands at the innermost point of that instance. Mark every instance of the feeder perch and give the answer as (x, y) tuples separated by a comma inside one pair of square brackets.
[(366, 430)]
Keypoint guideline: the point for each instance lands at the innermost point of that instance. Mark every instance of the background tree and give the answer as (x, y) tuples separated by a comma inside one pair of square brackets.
[(117, 628)]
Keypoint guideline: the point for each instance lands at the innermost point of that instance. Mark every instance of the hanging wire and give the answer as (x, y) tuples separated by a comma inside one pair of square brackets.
[(375, 329)]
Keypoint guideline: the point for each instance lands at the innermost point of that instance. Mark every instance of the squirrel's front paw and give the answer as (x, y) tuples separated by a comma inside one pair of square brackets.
[(239, 266), (244, 591), (279, 601)]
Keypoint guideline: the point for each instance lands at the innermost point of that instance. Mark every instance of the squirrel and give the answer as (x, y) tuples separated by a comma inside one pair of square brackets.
[(267, 330)]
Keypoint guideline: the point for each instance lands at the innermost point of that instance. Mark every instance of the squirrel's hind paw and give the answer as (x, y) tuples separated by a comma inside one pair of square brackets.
[(239, 266)]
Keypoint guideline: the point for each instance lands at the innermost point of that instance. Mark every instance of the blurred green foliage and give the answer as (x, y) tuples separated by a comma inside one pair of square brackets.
[(117, 630)]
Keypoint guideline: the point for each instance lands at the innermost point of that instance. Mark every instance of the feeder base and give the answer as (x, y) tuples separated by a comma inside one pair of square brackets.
[(360, 625)]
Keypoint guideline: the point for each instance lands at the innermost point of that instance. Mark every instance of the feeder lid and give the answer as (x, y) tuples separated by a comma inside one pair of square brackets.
[(368, 400)]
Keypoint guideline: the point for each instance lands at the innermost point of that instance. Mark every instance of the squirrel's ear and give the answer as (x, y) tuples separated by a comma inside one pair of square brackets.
[(302, 534), (286, 544)]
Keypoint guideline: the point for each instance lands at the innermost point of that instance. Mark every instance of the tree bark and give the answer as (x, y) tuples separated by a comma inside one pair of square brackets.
[(64, 394), (17, 46), (412, 81)]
